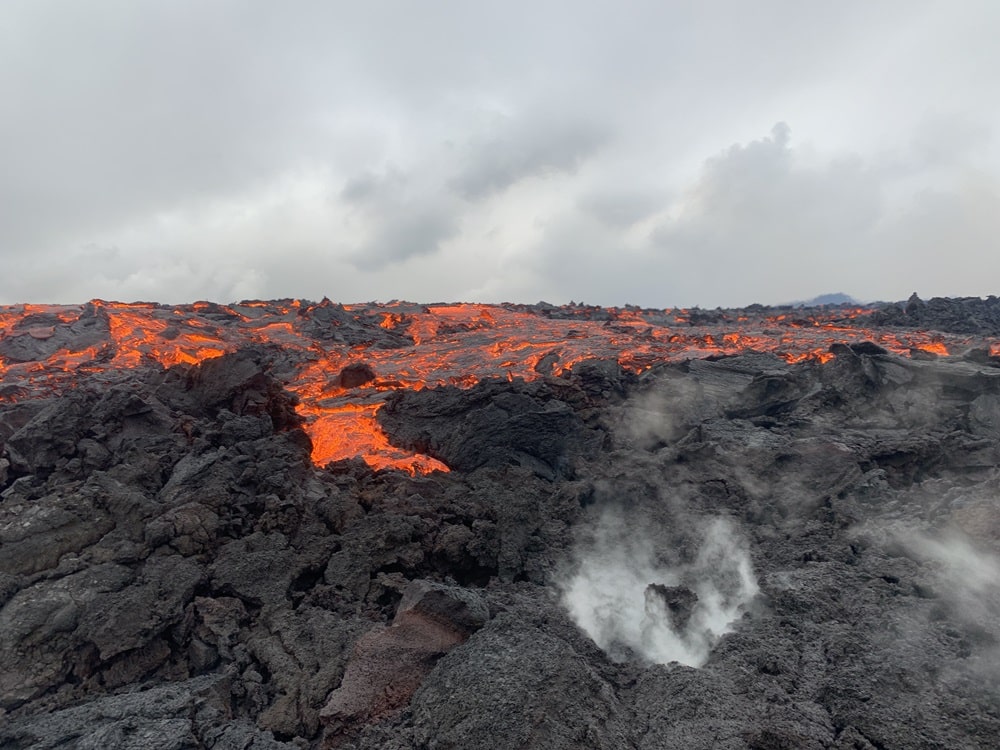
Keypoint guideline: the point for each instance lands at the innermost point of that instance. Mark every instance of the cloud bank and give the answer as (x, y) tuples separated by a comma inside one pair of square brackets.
[(660, 155)]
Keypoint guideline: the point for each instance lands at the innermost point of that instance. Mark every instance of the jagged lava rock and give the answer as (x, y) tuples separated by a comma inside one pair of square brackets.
[(175, 572)]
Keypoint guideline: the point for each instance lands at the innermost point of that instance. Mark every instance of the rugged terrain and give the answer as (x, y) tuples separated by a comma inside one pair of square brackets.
[(180, 567)]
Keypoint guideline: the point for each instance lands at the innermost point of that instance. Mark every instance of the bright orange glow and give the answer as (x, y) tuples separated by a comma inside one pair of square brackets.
[(140, 337), (455, 344), (934, 347), (351, 430)]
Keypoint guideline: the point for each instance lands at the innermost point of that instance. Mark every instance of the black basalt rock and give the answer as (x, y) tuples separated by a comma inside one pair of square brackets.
[(678, 600), (356, 374), (176, 573), (493, 424)]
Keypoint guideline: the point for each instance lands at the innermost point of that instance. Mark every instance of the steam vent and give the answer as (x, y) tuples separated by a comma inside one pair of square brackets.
[(287, 524)]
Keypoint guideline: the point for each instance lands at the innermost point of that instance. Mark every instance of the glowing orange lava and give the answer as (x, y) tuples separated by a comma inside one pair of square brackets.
[(454, 344)]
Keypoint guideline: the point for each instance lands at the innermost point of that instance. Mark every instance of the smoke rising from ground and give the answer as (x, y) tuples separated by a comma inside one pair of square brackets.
[(630, 603), (969, 577)]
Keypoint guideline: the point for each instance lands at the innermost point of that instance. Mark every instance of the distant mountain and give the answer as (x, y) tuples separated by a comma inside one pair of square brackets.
[(837, 298)]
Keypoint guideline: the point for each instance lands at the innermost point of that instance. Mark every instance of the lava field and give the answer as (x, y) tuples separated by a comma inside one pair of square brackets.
[(285, 524)]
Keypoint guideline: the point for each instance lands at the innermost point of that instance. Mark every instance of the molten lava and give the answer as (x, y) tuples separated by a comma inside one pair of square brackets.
[(408, 346)]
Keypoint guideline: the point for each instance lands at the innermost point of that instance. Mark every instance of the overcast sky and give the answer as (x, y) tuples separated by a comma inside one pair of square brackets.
[(712, 152)]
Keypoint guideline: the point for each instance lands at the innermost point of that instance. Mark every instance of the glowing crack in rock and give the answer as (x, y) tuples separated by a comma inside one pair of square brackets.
[(410, 346)]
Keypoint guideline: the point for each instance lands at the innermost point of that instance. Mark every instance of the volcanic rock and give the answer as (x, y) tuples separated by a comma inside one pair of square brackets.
[(678, 600), (356, 374), (961, 315), (330, 322), (38, 336), (177, 572), (240, 384), (494, 424), (388, 664)]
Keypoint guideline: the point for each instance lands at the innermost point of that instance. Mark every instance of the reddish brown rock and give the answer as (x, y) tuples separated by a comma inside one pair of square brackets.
[(389, 663)]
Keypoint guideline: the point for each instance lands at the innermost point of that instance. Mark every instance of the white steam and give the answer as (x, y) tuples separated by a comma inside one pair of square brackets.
[(631, 605), (969, 576)]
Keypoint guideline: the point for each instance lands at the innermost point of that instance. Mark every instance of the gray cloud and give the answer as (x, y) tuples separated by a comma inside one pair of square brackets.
[(524, 151), (757, 217), (764, 218), (622, 207), (364, 188), (411, 235), (405, 218), (525, 148)]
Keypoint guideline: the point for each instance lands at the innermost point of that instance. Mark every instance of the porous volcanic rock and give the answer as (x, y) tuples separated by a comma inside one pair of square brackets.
[(495, 424), (39, 335), (955, 315), (388, 664), (175, 572)]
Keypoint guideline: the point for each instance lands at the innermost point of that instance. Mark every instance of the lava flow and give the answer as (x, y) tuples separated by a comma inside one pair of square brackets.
[(346, 359)]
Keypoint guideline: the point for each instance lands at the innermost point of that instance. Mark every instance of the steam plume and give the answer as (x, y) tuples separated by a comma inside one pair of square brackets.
[(631, 605), (969, 576)]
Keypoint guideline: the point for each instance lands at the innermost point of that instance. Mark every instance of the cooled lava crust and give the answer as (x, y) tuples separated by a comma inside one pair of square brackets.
[(285, 524)]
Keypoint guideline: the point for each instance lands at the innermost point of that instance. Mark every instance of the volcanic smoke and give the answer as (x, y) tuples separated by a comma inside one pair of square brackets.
[(630, 604)]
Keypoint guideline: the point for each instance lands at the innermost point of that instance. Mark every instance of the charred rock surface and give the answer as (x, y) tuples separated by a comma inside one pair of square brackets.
[(176, 573), (962, 315), (39, 335), (495, 424)]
